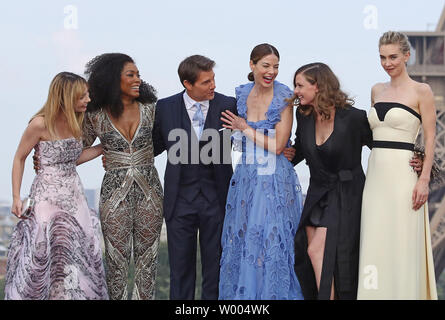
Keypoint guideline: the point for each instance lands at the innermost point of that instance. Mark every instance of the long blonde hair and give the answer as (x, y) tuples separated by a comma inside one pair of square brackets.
[(64, 92)]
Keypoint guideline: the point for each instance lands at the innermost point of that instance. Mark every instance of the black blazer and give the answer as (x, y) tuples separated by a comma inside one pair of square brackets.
[(341, 190), (168, 116)]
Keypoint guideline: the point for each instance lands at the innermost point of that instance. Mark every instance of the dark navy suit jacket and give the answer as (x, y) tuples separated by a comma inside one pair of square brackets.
[(169, 115)]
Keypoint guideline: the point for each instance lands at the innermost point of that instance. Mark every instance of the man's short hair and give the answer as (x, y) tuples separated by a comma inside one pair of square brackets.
[(190, 68)]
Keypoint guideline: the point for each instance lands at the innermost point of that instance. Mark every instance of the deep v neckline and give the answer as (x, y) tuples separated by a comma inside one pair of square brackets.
[(268, 107), (120, 133), (330, 135)]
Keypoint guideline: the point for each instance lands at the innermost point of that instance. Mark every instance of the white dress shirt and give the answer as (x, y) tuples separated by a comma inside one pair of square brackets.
[(191, 109)]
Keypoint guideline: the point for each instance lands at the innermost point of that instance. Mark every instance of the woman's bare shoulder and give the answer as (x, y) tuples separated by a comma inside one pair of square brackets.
[(37, 123), (37, 127), (378, 87), (422, 89)]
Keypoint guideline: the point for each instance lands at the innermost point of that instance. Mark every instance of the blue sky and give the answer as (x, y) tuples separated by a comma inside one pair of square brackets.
[(38, 41)]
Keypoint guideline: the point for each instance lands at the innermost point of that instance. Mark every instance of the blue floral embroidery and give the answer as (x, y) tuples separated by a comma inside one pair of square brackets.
[(262, 214)]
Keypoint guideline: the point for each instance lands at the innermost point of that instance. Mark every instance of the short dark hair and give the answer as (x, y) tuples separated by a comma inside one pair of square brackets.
[(190, 68), (104, 72), (259, 52)]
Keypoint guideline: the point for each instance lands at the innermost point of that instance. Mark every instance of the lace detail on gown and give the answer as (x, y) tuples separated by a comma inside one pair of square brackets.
[(262, 215), (56, 254)]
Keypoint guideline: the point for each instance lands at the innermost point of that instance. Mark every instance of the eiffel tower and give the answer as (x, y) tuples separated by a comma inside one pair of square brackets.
[(427, 64)]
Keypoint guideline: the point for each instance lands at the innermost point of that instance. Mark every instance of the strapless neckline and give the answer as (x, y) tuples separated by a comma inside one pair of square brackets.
[(386, 106), (60, 140)]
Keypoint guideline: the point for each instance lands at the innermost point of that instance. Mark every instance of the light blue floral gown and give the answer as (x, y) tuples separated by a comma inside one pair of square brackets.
[(263, 209)]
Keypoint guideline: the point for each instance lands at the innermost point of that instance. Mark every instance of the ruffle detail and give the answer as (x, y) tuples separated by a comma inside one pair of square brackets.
[(242, 93), (273, 114)]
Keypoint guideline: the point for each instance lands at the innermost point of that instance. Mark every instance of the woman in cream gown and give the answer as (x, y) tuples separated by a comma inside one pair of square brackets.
[(396, 260)]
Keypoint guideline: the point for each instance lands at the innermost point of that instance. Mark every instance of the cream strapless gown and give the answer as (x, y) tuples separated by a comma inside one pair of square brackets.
[(396, 260)]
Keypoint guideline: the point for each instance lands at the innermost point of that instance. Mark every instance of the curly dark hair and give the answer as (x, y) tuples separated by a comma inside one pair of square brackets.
[(104, 79)]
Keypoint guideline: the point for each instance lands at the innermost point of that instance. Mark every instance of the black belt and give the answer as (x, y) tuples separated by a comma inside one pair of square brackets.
[(393, 145)]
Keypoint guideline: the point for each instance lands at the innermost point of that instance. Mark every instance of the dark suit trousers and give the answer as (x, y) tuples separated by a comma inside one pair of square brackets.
[(204, 215)]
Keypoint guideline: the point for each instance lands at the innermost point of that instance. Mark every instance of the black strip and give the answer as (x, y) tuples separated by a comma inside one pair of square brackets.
[(393, 145), (384, 107)]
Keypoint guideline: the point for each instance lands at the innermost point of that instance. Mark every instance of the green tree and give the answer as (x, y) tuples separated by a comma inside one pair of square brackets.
[(2, 289)]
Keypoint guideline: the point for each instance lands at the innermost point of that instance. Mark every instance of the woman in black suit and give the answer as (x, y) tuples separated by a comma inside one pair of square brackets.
[(330, 136)]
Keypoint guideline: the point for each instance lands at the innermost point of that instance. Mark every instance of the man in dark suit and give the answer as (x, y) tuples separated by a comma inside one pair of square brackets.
[(197, 176)]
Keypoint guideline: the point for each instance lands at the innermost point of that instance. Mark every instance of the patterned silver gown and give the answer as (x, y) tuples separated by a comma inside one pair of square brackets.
[(130, 202), (56, 253)]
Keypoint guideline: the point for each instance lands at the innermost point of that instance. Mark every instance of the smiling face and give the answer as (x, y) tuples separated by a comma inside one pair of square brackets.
[(304, 90), (130, 81), (81, 104), (393, 60), (265, 70), (204, 87)]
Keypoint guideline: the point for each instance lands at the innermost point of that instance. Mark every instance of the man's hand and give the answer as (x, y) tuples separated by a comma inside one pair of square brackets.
[(36, 161), (104, 162), (289, 153), (417, 164)]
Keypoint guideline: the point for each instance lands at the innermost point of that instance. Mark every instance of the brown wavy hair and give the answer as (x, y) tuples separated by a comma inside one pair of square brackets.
[(329, 92)]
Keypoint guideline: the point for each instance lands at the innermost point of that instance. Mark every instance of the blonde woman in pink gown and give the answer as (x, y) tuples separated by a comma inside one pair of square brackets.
[(55, 253)]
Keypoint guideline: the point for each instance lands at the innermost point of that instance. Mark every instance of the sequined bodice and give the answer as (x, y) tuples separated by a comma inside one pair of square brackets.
[(57, 181), (60, 154), (127, 162)]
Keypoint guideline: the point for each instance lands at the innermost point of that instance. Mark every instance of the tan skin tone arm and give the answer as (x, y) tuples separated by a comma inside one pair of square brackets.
[(90, 154), (428, 112), (32, 135), (276, 144)]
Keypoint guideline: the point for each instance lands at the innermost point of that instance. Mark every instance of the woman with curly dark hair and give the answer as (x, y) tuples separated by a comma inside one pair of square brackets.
[(121, 114), (330, 136)]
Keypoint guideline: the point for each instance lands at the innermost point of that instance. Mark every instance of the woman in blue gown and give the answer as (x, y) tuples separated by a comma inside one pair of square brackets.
[(264, 202)]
